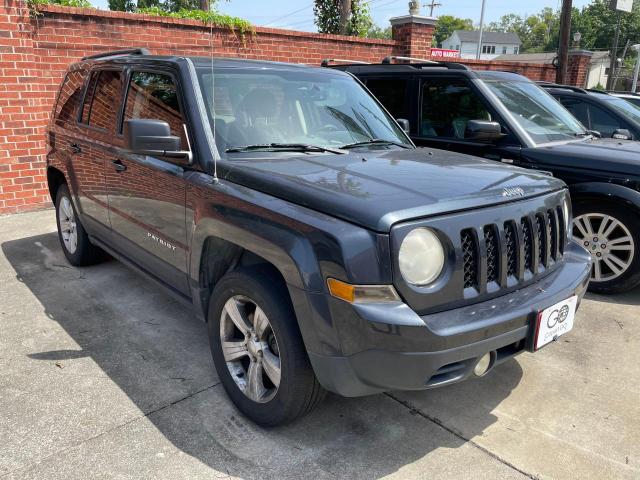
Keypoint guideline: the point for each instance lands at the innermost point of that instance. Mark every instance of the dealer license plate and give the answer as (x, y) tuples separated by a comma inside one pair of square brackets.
[(555, 321)]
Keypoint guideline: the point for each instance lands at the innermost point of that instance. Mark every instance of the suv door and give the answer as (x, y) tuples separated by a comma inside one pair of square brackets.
[(447, 104), (147, 194), (592, 116), (92, 146)]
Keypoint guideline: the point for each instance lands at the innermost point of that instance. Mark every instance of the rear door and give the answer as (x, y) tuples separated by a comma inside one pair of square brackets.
[(147, 193), (92, 146)]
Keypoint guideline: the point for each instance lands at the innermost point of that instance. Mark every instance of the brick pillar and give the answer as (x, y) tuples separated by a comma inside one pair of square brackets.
[(414, 33), (22, 113), (578, 69)]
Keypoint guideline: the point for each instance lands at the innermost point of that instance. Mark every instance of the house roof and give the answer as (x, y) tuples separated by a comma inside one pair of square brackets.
[(488, 37), (546, 57)]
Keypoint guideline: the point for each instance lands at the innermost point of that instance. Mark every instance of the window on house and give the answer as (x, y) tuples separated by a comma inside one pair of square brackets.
[(515, 50), (458, 47), (504, 50), (101, 101), (489, 49)]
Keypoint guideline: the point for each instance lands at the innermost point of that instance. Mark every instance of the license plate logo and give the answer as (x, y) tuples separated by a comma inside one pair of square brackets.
[(555, 321)]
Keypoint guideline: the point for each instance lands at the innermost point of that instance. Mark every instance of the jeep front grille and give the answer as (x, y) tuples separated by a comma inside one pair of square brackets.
[(514, 251)]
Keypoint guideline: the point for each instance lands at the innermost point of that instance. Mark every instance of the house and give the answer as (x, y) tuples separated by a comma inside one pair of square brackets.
[(493, 43), (598, 68)]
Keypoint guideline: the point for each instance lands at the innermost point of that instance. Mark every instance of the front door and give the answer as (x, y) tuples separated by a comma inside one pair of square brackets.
[(146, 193), (447, 104)]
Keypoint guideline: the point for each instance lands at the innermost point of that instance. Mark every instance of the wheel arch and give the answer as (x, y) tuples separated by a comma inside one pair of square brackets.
[(611, 192), (55, 178)]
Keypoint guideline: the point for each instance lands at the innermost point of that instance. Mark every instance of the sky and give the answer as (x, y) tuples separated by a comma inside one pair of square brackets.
[(280, 13)]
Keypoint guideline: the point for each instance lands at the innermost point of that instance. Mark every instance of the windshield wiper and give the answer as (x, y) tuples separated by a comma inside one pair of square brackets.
[(375, 141), (301, 147)]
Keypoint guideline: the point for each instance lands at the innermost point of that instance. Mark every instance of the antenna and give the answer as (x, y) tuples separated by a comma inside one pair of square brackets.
[(213, 106)]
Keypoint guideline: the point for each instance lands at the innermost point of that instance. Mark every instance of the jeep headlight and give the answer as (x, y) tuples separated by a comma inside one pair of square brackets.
[(421, 257), (566, 214)]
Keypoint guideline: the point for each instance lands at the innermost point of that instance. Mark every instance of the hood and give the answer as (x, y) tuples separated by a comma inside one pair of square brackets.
[(377, 188), (605, 154)]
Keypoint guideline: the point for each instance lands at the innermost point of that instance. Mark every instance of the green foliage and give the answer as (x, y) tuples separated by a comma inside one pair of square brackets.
[(122, 5), (378, 32), (210, 17), (538, 33), (327, 17), (34, 4), (599, 87), (447, 24)]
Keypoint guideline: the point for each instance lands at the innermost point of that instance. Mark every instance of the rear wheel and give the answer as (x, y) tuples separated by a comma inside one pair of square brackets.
[(258, 350), (73, 237), (611, 233)]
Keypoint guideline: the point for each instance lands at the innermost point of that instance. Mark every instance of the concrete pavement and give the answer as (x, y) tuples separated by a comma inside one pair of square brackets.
[(102, 375)]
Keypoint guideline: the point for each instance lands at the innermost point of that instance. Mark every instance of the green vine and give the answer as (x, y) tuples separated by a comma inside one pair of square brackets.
[(34, 5), (209, 18)]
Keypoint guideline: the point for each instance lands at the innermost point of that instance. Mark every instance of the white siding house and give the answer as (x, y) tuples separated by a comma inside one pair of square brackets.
[(493, 43)]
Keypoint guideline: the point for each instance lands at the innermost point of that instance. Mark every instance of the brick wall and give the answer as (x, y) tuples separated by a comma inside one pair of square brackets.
[(36, 50)]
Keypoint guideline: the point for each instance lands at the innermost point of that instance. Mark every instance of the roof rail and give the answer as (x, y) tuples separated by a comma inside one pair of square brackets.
[(564, 87), (114, 53), (391, 58), (327, 61)]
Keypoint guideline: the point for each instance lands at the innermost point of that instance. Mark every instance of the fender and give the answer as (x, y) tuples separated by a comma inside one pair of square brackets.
[(611, 191)]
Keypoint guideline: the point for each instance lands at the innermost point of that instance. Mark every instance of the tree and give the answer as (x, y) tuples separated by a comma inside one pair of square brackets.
[(377, 31), (327, 17), (164, 5), (537, 33), (447, 24)]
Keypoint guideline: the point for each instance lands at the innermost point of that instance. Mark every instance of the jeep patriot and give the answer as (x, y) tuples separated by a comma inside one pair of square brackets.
[(323, 250)]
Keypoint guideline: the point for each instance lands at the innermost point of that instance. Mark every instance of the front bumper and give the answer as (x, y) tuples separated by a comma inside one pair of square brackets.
[(390, 347)]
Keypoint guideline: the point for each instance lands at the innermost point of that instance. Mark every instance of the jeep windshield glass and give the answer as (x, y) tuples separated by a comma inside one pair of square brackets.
[(537, 112), (263, 109)]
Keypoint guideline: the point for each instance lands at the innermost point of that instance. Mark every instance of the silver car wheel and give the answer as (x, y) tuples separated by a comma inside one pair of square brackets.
[(67, 225), (250, 349), (610, 243)]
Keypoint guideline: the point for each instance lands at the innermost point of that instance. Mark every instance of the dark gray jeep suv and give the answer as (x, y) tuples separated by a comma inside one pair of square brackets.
[(322, 248)]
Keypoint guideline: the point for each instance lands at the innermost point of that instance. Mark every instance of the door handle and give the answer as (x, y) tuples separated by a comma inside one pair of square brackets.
[(75, 148), (119, 166)]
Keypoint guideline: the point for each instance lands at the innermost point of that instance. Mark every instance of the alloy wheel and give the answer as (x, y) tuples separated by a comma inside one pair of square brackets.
[(67, 224), (250, 349), (610, 243)]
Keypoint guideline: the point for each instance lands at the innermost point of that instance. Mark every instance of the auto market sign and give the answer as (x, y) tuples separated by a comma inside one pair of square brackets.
[(444, 53), (624, 5)]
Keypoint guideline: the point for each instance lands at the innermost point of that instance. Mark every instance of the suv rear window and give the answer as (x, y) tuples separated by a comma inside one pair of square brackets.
[(69, 97), (102, 99), (392, 93)]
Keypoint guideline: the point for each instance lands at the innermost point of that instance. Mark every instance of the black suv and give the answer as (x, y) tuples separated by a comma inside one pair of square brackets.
[(506, 117), (605, 114), (322, 248)]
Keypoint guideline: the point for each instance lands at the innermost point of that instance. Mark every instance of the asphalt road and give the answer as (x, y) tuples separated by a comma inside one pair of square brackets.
[(104, 376)]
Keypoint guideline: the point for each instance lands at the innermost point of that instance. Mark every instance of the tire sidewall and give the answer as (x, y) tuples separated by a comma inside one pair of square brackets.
[(75, 257), (631, 277), (273, 411)]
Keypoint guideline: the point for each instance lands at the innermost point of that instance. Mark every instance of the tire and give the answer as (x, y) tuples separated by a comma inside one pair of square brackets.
[(81, 251), (298, 390), (608, 274)]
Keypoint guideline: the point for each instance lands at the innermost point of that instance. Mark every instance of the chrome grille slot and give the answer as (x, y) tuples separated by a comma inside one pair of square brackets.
[(493, 253), (511, 247), (527, 239), (469, 258)]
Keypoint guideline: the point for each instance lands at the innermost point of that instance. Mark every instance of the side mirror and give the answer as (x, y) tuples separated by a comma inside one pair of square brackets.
[(483, 131), (404, 124), (622, 134), (595, 133), (153, 137)]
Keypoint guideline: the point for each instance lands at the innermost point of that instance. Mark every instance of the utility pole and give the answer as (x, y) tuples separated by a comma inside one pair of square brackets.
[(563, 46), (204, 5), (614, 54), (345, 14), (636, 70), (480, 33), (432, 5)]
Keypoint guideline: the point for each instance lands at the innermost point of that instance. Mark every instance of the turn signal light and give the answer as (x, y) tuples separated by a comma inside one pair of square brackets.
[(362, 293)]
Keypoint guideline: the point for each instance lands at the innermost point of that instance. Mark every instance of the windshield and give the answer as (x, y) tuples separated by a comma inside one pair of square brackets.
[(284, 108), (537, 112), (621, 105)]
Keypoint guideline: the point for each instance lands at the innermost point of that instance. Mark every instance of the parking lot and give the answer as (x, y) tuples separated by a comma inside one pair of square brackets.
[(104, 376)]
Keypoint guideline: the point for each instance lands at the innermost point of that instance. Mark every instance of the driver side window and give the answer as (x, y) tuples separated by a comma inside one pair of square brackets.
[(448, 104)]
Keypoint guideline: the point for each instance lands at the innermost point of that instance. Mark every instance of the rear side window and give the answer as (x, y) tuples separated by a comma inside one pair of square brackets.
[(69, 97), (155, 96), (102, 99), (578, 109), (392, 93), (602, 121)]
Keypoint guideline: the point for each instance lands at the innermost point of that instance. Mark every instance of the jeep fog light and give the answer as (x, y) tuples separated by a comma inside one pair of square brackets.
[(421, 257), (484, 364), (362, 293)]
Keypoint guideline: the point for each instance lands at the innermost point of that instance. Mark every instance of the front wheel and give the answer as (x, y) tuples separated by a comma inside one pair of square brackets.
[(257, 348), (611, 233)]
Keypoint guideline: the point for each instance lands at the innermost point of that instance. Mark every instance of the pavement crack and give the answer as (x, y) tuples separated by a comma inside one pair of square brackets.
[(416, 411), (28, 467)]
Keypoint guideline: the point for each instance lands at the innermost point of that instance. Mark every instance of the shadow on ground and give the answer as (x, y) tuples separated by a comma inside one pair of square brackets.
[(157, 353)]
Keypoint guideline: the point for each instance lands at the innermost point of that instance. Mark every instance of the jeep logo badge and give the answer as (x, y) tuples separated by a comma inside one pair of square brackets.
[(512, 192)]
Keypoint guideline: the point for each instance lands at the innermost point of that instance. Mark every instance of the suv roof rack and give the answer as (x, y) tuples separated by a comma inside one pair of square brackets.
[(388, 60), (114, 53), (327, 61), (545, 84)]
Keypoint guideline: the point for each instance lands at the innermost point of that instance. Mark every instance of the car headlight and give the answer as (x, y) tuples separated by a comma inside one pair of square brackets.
[(566, 213), (421, 257)]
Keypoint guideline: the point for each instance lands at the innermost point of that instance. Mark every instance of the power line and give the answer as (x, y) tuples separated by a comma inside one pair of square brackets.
[(288, 14)]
